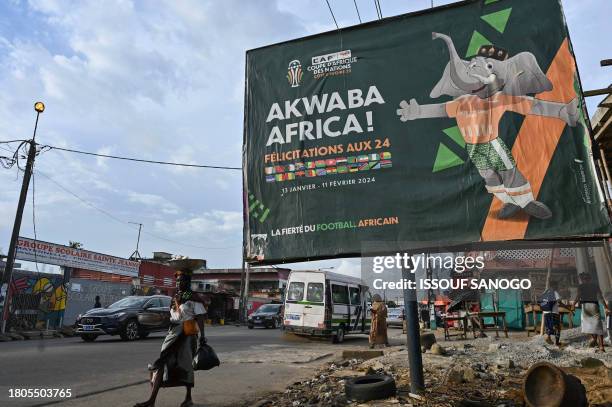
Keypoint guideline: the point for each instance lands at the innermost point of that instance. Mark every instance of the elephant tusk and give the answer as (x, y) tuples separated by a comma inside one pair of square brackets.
[(490, 79), (486, 80)]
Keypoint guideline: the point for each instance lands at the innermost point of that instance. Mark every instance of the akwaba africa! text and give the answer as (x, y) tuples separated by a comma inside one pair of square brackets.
[(333, 126)]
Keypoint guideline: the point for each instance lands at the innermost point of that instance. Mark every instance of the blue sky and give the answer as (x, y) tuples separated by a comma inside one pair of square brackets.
[(164, 80)]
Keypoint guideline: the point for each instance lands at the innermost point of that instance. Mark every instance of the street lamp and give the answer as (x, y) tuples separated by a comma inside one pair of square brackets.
[(39, 107)]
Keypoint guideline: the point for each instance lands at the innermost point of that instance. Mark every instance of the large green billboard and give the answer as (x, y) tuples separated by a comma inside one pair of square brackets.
[(459, 124)]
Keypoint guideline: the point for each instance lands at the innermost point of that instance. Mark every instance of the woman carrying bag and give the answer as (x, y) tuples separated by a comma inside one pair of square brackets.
[(174, 367)]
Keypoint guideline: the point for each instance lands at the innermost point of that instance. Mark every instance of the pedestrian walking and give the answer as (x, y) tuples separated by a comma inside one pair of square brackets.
[(378, 327), (588, 297), (97, 303), (550, 310), (174, 366)]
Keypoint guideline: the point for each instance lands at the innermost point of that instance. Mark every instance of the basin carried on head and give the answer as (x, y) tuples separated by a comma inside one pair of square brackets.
[(186, 264), (545, 385)]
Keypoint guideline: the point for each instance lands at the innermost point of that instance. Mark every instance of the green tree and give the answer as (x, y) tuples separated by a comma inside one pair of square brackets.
[(75, 245)]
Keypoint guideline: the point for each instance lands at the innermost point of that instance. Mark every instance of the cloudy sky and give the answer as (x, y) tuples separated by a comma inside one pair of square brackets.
[(164, 80)]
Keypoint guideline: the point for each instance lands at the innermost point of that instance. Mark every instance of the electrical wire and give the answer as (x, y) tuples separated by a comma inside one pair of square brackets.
[(357, 9), (11, 141), (376, 7), (49, 148), (332, 14), (7, 149), (115, 218), (379, 9)]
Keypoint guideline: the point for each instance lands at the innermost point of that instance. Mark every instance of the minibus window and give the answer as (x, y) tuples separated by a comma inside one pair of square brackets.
[(295, 292), (315, 292), (339, 294), (355, 297)]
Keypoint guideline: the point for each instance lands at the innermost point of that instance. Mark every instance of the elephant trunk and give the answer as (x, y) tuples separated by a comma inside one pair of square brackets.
[(458, 68)]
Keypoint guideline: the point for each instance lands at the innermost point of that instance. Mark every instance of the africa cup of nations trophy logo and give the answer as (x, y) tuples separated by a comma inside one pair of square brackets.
[(294, 73)]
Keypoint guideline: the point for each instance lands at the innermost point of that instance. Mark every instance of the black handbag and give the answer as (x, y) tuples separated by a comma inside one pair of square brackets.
[(205, 357)]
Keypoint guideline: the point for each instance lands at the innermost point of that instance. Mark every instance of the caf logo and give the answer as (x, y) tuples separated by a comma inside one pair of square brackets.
[(294, 73)]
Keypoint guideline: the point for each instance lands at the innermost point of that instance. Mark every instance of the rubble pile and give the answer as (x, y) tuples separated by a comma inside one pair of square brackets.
[(575, 346), (481, 372), (445, 386)]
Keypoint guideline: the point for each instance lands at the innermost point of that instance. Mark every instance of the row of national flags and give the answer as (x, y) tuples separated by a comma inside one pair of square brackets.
[(330, 166)]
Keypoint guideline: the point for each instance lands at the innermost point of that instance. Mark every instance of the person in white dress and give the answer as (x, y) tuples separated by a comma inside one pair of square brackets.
[(174, 365)]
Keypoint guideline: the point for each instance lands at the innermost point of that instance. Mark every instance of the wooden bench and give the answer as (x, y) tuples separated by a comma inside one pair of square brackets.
[(535, 310), (496, 315)]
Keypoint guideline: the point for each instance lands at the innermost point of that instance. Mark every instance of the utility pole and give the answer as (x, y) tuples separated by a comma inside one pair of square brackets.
[(246, 293), (136, 255), (413, 334), (39, 107)]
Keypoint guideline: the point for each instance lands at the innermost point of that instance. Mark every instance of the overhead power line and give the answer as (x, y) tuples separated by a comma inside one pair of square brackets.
[(357, 9), (125, 223), (141, 160), (11, 141), (332, 14)]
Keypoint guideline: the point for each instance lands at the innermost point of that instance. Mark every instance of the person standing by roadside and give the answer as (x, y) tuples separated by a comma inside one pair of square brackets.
[(97, 303), (550, 312), (588, 297), (174, 366), (378, 327)]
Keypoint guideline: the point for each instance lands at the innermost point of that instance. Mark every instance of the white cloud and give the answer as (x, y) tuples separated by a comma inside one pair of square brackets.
[(212, 225), (154, 201), (101, 161)]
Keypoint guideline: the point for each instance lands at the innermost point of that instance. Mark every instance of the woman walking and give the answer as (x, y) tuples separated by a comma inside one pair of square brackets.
[(588, 297), (174, 366), (378, 327)]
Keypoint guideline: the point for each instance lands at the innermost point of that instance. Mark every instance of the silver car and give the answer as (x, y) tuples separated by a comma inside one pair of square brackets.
[(395, 317)]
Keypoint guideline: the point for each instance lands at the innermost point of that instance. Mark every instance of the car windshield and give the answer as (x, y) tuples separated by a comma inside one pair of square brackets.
[(395, 311), (128, 302), (268, 308)]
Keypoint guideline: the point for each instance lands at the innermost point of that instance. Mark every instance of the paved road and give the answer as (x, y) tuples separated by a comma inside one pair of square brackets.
[(110, 363)]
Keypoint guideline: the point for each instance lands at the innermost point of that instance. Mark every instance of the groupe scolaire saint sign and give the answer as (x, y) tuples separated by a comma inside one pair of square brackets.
[(463, 124), (60, 255)]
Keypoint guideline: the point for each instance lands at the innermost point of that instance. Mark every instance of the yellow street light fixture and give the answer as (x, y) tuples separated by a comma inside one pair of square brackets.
[(39, 107)]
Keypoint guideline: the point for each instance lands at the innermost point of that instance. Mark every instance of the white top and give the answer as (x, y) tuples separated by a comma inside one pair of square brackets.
[(555, 309), (187, 311)]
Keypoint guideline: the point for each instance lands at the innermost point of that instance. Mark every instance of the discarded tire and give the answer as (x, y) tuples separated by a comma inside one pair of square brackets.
[(370, 387), (546, 385)]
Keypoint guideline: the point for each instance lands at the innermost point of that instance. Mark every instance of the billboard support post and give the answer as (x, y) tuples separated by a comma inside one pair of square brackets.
[(10, 260), (241, 319), (413, 336)]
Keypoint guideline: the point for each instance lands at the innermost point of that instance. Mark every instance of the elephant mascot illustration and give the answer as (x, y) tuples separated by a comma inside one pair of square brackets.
[(484, 88)]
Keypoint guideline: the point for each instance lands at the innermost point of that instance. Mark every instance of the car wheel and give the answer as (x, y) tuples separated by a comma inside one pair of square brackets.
[(339, 335), (143, 335), (274, 323), (89, 337), (130, 331), (250, 326), (370, 387)]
